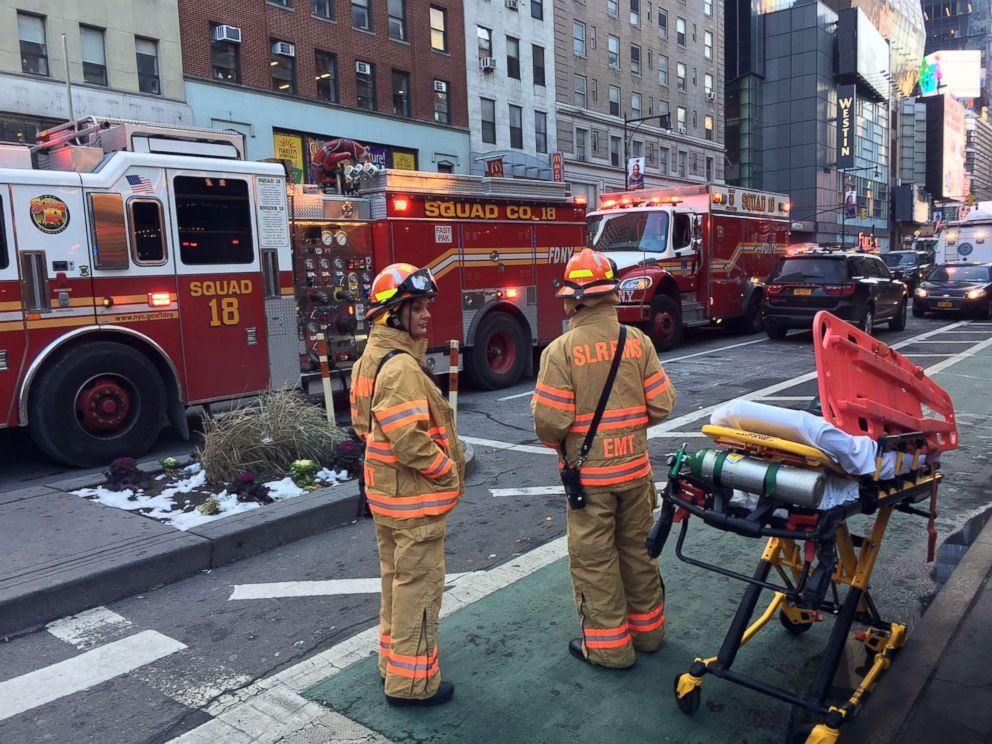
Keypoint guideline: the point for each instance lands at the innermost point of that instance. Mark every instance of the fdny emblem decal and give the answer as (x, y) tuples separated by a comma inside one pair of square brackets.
[(49, 214), (347, 209)]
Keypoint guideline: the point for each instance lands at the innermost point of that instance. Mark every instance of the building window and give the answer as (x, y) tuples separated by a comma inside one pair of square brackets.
[(614, 100), (94, 55), (663, 70), (708, 126), (580, 145), (397, 20), (613, 51), (680, 113), (635, 105), (594, 91), (146, 56), (513, 57), (613, 8), (580, 91), (682, 164), (361, 14), (663, 159), (488, 120), (401, 93), (635, 59), (615, 144), (516, 127), (635, 12), (708, 7), (662, 23), (680, 76), (34, 50), (537, 56), (540, 132), (485, 40), (537, 9), (442, 111), (225, 58), (326, 74), (439, 29), (680, 31), (283, 69), (579, 39), (708, 44), (707, 82), (281, 3), (709, 170), (637, 149), (324, 9), (365, 85)]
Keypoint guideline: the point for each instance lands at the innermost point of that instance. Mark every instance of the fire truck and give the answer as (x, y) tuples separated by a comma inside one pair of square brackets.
[(145, 269), (691, 255)]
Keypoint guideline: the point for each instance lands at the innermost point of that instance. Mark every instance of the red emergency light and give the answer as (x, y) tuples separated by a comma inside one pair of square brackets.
[(717, 198), (511, 293), (580, 200), (401, 204), (160, 299), (785, 206), (609, 203)]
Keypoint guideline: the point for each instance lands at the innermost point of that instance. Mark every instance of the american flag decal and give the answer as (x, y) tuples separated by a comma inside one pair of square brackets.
[(140, 185)]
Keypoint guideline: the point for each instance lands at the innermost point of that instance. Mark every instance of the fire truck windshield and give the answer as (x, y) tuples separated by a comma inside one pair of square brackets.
[(641, 230)]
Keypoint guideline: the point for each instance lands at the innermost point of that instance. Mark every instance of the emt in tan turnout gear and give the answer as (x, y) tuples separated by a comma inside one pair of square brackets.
[(414, 469), (617, 586)]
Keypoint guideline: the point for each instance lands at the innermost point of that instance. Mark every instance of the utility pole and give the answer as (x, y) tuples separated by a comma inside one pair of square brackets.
[(68, 82)]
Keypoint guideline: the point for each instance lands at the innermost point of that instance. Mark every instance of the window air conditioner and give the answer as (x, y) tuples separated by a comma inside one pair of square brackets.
[(681, 129), (440, 86), (710, 95), (511, 4), (284, 49), (487, 63), (227, 33), (363, 68)]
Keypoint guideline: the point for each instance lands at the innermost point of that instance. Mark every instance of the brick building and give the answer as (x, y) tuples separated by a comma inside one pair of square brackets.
[(292, 74)]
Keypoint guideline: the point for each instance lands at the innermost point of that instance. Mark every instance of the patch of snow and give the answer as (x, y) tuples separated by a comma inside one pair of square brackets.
[(160, 476), (186, 485), (283, 489), (193, 468), (229, 505), (330, 477)]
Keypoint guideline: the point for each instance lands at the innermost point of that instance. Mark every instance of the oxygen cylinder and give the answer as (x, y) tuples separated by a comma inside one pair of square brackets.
[(734, 470)]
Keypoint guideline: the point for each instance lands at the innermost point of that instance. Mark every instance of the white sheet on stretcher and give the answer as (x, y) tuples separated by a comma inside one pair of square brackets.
[(854, 454)]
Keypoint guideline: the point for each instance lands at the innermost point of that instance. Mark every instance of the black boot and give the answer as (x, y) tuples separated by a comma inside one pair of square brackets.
[(575, 649), (444, 693)]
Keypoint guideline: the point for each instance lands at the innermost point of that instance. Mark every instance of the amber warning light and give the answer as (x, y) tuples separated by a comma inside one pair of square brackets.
[(401, 204), (160, 299)]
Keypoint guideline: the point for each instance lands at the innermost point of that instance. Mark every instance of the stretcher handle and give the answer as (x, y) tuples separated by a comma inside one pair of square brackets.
[(793, 593)]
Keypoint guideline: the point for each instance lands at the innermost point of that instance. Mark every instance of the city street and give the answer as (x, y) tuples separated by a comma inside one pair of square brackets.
[(187, 658)]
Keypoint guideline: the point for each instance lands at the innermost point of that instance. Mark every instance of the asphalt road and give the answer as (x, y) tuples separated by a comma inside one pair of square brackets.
[(226, 643)]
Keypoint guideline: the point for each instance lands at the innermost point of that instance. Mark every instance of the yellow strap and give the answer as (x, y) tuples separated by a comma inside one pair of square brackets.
[(763, 444)]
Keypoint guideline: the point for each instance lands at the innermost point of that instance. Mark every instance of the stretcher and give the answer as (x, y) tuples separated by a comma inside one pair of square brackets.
[(798, 497)]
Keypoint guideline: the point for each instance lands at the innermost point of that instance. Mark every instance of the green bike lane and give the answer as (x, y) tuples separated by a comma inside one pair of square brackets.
[(515, 681)]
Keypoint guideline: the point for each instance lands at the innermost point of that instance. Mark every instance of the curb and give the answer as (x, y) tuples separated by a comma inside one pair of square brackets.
[(106, 573), (889, 712)]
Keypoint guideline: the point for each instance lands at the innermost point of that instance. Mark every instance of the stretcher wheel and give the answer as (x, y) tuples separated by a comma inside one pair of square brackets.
[(689, 703), (793, 628)]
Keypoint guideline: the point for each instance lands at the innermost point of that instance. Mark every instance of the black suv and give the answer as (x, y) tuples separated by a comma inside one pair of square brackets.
[(958, 287), (856, 287), (911, 267)]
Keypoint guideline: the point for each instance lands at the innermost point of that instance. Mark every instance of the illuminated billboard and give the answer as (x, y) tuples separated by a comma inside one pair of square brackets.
[(945, 148), (862, 54), (956, 72)]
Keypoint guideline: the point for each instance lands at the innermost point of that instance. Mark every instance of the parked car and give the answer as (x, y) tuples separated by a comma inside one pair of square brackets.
[(911, 267), (856, 287), (958, 287)]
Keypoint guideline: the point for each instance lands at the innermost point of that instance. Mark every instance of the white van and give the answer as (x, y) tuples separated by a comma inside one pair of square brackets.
[(969, 239)]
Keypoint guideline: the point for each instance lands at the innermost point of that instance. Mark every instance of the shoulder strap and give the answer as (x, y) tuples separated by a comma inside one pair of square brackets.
[(382, 362), (603, 397)]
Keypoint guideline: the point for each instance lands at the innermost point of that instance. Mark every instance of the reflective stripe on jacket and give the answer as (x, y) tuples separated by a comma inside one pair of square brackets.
[(414, 463), (574, 369)]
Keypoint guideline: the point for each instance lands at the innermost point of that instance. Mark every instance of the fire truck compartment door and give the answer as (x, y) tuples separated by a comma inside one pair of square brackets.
[(12, 333), (220, 285)]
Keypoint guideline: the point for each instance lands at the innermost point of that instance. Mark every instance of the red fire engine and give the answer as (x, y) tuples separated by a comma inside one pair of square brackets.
[(145, 269), (692, 255)]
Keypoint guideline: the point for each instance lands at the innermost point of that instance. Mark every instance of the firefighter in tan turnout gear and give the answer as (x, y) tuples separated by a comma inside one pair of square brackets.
[(617, 586), (414, 469)]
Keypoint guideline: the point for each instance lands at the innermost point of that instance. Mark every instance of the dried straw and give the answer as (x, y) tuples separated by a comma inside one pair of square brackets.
[(267, 438)]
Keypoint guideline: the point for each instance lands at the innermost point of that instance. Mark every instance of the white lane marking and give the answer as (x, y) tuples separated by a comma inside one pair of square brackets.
[(945, 341), (659, 429), (787, 397), (941, 366), (195, 683), (326, 588), (540, 490), (81, 672), (528, 394), (88, 629), (494, 444), (967, 331), (914, 355)]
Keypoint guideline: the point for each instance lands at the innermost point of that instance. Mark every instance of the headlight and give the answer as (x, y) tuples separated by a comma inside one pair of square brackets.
[(636, 283), (976, 294), (920, 292)]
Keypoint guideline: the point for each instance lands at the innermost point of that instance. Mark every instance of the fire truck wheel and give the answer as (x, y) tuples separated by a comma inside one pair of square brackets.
[(752, 321), (497, 358), (665, 326), (100, 401)]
